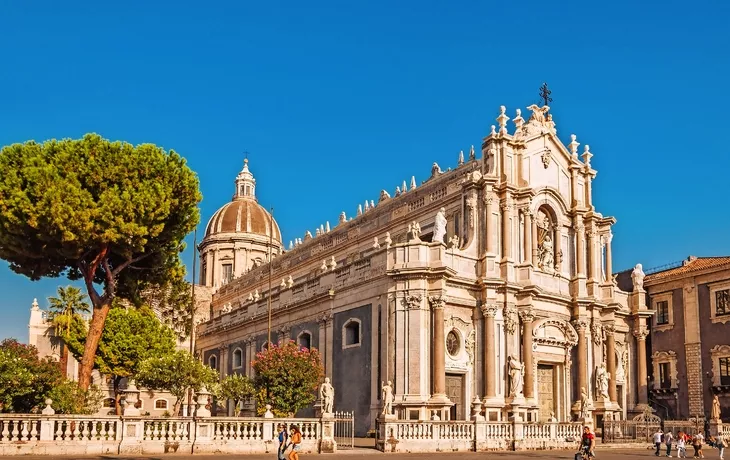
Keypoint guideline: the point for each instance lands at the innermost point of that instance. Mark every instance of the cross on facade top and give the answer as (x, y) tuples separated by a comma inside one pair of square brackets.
[(545, 94)]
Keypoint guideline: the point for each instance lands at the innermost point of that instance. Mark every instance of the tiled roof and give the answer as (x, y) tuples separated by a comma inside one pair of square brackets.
[(692, 264)]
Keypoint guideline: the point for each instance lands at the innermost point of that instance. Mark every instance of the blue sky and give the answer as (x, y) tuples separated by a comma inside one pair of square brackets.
[(338, 100)]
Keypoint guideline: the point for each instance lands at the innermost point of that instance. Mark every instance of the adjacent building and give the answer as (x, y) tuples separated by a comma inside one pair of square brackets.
[(690, 337), (482, 289)]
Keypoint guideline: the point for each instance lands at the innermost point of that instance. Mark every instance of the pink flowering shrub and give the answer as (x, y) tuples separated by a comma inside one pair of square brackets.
[(287, 377)]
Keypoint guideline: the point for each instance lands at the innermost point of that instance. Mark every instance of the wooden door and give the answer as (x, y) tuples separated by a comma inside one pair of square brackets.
[(546, 391), (455, 392)]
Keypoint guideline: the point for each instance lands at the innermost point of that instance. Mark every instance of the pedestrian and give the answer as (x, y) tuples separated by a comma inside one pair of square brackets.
[(296, 443), (668, 438), (681, 447), (697, 444), (720, 443), (658, 441), (587, 443), (283, 437)]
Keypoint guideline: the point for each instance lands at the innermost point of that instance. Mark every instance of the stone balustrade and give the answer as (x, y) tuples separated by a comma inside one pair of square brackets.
[(110, 435), (448, 436)]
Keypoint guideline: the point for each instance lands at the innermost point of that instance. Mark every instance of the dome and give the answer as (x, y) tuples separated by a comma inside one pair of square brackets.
[(243, 216)]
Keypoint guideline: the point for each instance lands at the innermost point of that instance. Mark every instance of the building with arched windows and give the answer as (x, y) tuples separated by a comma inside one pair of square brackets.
[(485, 288)]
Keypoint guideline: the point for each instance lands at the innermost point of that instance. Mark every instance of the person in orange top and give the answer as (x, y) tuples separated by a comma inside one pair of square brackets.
[(296, 442)]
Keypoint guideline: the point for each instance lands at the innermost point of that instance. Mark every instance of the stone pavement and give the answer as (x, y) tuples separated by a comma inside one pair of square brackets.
[(369, 454)]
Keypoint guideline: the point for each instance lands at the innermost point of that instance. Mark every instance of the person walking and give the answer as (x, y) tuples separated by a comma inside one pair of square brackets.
[(668, 438), (283, 437), (720, 443), (681, 446), (658, 441), (587, 443), (296, 443), (697, 444)]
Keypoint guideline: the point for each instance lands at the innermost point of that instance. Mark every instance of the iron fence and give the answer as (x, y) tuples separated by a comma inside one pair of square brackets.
[(345, 430)]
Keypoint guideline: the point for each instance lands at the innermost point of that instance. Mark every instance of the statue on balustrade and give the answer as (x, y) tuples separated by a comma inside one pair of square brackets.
[(516, 375), (327, 395), (439, 226), (387, 395)]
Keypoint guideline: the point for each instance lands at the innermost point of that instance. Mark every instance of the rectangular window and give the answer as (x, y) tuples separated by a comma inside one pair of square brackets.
[(227, 273), (722, 302), (664, 378), (662, 312), (725, 371)]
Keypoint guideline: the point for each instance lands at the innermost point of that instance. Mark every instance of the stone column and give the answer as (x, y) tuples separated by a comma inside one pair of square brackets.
[(640, 333), (490, 222), (439, 342), (591, 262), (535, 248), (580, 247), (506, 231), (527, 317), (611, 362), (582, 351), (528, 236), (609, 257), (490, 376)]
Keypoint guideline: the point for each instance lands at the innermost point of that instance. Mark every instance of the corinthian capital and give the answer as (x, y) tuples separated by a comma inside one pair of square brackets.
[(412, 302), (489, 310), (437, 302), (640, 333), (580, 325), (527, 315)]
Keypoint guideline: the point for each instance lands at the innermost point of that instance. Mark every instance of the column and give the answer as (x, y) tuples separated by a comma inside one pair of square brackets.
[(609, 260), (208, 281), (527, 318), (641, 378), (591, 262), (580, 248), (490, 377), (488, 199), (439, 341), (611, 362), (506, 231), (582, 350), (528, 236), (535, 253)]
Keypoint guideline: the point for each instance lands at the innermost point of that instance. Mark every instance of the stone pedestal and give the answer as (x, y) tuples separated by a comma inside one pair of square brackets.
[(132, 434), (386, 441), (328, 445), (716, 428)]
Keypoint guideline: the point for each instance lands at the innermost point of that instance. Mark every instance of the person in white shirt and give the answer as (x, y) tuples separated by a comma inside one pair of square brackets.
[(658, 441), (668, 437), (681, 447)]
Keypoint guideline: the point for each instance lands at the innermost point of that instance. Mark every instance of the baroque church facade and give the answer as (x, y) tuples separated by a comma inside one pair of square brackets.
[(487, 288)]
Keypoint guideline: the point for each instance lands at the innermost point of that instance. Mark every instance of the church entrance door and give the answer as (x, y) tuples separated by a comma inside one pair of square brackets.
[(546, 391), (455, 392)]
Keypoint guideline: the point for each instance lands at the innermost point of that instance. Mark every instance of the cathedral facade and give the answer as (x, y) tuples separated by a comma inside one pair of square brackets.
[(487, 288)]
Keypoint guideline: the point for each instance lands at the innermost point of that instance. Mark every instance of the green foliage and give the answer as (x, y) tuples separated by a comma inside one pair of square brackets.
[(172, 298), (287, 377), (69, 398), (236, 387), (25, 379), (176, 373), (131, 336), (106, 212), (66, 308)]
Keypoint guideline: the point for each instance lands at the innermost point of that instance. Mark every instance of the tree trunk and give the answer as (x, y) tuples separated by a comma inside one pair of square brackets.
[(96, 327), (176, 407), (117, 395), (64, 360)]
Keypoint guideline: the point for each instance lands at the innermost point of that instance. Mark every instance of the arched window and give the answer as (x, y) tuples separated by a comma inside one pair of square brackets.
[(237, 358), (213, 362), (304, 340), (547, 241), (161, 404), (351, 333)]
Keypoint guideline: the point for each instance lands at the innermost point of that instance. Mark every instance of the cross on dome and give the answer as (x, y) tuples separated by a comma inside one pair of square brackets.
[(245, 183)]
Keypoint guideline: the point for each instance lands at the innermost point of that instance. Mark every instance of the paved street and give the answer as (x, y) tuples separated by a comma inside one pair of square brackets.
[(601, 454)]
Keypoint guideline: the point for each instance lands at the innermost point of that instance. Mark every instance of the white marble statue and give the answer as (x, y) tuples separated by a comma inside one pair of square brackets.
[(439, 226), (585, 404), (637, 277), (546, 252), (602, 377), (327, 396), (387, 395), (516, 374), (715, 414)]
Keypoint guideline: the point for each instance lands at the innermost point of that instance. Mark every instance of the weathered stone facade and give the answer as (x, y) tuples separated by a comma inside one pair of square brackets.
[(482, 291), (690, 345)]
